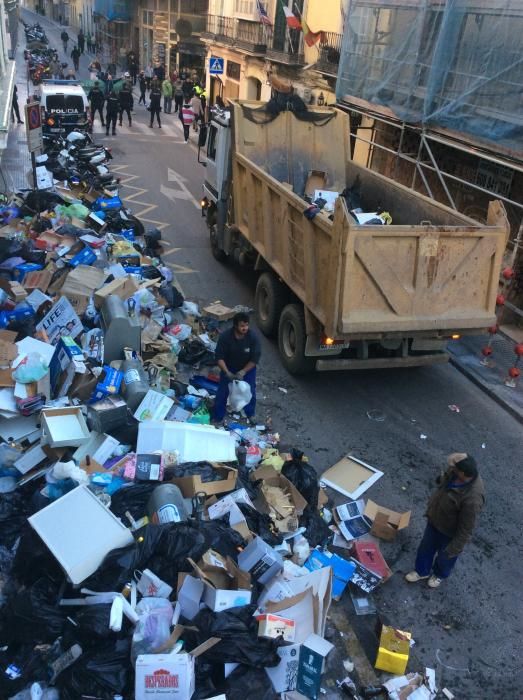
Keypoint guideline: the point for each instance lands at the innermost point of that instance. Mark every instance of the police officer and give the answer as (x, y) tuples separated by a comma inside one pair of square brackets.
[(113, 108), (96, 100), (126, 102), (156, 103)]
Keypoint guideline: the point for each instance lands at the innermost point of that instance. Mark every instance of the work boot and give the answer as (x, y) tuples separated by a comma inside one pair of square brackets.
[(107, 132), (150, 126), (434, 581), (103, 124), (414, 577)]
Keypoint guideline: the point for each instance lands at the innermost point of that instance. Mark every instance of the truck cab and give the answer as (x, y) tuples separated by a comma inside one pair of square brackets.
[(64, 107)]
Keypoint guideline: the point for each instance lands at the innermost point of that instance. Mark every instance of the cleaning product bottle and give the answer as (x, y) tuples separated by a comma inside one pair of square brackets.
[(166, 505), (135, 381)]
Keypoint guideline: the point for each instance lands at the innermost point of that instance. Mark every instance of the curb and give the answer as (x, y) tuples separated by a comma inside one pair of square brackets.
[(514, 412)]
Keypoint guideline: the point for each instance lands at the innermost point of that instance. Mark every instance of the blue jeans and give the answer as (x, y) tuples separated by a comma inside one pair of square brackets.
[(432, 546), (220, 403)]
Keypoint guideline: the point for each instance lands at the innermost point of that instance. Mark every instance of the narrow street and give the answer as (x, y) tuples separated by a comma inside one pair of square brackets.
[(469, 630)]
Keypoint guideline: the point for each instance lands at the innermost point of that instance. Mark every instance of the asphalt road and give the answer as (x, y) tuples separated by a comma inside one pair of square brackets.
[(470, 629)]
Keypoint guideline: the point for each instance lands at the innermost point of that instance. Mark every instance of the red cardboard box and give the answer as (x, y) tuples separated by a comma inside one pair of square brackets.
[(369, 554)]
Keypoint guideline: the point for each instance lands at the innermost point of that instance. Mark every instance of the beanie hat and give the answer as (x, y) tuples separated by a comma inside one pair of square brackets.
[(464, 462)]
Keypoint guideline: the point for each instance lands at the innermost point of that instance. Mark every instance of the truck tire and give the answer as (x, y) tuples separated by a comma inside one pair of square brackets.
[(291, 341), (269, 300), (218, 253)]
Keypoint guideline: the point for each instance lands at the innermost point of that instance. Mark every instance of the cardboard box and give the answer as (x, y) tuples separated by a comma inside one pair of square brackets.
[(318, 583), (268, 502), (225, 585), (61, 320), (8, 349), (191, 485), (123, 287), (386, 522), (67, 353), (107, 414), (285, 675), (80, 531), (190, 591), (154, 406), (41, 279), (218, 312), (313, 653), (342, 570), (64, 427), (168, 676), (393, 651), (260, 560), (351, 476), (270, 625), (20, 271), (99, 447), (14, 290)]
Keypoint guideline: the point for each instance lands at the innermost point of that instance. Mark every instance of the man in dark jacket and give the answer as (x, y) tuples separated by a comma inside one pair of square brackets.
[(113, 108), (156, 103), (75, 55), (64, 36), (142, 84), (126, 102), (237, 354), (451, 514), (81, 41), (96, 100), (133, 67)]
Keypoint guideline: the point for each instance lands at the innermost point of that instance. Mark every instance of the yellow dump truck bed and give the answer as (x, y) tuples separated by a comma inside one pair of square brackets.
[(432, 269)]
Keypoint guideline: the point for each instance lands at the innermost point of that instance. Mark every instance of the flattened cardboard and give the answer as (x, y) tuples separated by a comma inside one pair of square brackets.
[(39, 279), (385, 522), (351, 476), (218, 312), (226, 586), (123, 287), (284, 676)]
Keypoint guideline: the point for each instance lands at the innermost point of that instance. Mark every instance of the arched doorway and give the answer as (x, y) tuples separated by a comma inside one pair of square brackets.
[(254, 88)]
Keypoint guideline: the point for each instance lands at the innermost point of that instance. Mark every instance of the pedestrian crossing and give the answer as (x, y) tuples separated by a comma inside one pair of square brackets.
[(171, 127)]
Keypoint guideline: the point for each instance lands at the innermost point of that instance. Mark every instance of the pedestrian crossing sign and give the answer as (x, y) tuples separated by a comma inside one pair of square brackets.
[(215, 65)]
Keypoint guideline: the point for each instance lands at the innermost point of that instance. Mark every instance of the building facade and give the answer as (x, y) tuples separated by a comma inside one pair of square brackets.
[(7, 73), (255, 54)]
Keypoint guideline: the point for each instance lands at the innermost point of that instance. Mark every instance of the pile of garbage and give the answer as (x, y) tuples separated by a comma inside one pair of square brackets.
[(144, 552)]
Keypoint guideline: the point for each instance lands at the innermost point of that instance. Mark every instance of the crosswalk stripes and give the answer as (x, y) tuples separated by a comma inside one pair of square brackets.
[(139, 128)]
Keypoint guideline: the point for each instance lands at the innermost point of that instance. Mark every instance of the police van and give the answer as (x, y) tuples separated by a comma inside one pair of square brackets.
[(64, 107)]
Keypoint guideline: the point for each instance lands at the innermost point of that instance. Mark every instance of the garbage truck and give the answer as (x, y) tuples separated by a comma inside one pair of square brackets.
[(353, 269)]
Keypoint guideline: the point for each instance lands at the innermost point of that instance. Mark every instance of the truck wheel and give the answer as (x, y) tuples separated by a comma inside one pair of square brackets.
[(291, 340), (269, 300), (217, 252)]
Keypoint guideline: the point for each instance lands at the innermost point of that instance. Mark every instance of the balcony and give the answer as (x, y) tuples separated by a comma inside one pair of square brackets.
[(329, 54), (249, 36), (287, 48)]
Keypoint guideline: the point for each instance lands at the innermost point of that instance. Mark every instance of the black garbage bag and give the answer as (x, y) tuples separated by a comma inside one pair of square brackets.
[(317, 532), (92, 624), (244, 481), (222, 538), (133, 499), (192, 351), (303, 476), (262, 524), (33, 559), (30, 661), (99, 673), (238, 632), (164, 549), (245, 682), (172, 295), (205, 684), (33, 614), (204, 470), (14, 510)]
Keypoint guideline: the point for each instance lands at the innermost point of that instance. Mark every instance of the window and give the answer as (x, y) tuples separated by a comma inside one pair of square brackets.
[(72, 104), (211, 143), (233, 70)]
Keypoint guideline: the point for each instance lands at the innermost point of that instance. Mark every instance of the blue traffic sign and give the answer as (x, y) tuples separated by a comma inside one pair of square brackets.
[(215, 65)]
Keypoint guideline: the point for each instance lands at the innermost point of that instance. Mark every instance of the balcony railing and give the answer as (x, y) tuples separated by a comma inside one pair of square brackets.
[(250, 36), (329, 56), (287, 48)]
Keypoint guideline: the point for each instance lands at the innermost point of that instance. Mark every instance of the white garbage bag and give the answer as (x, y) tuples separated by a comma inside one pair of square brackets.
[(239, 395)]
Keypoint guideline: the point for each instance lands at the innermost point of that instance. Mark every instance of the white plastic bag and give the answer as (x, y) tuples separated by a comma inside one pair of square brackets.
[(239, 394)]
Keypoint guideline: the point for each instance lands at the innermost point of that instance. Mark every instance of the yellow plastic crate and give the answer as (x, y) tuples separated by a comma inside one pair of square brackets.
[(393, 651)]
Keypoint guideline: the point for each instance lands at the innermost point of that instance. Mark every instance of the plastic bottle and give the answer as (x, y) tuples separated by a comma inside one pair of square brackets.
[(64, 661), (301, 550), (135, 380), (166, 505)]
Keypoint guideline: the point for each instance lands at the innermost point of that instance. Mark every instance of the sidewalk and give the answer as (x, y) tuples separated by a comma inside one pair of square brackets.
[(466, 356)]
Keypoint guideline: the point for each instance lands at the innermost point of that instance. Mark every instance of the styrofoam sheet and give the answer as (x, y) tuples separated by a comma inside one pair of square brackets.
[(80, 531), (194, 443)]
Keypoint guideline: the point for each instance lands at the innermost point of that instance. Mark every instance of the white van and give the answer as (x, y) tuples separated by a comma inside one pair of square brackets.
[(64, 107)]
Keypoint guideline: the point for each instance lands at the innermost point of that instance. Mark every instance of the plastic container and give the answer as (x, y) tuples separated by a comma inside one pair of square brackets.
[(135, 381), (166, 505), (300, 551)]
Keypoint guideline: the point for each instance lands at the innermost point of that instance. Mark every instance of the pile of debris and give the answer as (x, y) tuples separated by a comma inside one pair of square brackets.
[(143, 552)]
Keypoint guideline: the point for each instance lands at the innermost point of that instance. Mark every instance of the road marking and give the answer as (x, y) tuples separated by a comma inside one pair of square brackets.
[(181, 192)]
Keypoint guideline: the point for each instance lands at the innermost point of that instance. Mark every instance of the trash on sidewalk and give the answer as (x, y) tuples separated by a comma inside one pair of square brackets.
[(393, 650), (351, 477)]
